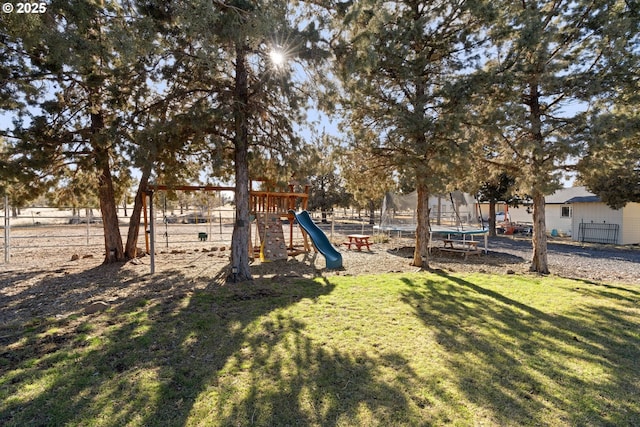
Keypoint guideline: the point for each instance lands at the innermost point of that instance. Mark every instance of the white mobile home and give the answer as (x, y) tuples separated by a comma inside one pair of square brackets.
[(578, 213), (558, 213)]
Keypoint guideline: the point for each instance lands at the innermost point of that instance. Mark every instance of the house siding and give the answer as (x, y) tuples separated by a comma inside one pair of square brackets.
[(596, 213), (631, 225), (555, 220), (520, 214), (553, 217)]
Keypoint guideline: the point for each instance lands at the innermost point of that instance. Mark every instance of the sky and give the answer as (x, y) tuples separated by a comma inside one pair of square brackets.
[(317, 123)]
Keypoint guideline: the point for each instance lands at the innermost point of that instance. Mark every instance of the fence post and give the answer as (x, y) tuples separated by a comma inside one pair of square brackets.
[(333, 222), (86, 211), (7, 230), (152, 232)]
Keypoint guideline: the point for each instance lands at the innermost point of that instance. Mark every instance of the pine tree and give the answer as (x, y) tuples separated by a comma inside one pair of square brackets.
[(611, 166), (227, 102), (398, 62), (77, 72), (317, 167), (365, 175), (500, 188), (547, 57)]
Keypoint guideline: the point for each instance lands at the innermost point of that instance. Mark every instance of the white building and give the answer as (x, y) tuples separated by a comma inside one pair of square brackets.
[(578, 213), (559, 213)]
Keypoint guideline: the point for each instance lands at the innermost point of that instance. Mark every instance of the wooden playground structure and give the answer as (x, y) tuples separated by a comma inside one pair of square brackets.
[(268, 210)]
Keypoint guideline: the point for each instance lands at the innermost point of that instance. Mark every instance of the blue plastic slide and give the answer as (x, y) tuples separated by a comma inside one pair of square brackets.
[(320, 240)]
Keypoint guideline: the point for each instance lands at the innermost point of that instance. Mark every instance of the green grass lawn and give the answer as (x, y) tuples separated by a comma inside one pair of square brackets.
[(387, 350)]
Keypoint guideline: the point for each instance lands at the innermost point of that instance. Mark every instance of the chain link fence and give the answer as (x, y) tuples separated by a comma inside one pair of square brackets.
[(40, 231)]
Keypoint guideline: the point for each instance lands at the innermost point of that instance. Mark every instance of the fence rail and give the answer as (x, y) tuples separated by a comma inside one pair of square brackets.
[(598, 232), (42, 231)]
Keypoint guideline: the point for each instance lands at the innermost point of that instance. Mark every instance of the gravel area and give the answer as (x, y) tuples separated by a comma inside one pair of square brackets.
[(506, 254), (586, 261), (600, 263)]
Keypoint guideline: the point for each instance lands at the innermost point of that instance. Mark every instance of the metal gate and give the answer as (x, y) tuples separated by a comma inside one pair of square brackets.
[(598, 232)]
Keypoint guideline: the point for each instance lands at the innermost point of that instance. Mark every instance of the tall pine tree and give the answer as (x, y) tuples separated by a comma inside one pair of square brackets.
[(398, 62), (548, 61), (241, 103), (77, 72)]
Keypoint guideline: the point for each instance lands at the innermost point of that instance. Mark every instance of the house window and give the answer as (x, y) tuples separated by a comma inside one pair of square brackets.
[(566, 212)]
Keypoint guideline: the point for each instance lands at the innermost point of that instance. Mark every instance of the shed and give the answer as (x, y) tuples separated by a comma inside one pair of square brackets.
[(559, 212)]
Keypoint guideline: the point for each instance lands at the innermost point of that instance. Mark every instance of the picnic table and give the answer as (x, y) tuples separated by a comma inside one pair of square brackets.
[(464, 247), (358, 240), (463, 244), (455, 240)]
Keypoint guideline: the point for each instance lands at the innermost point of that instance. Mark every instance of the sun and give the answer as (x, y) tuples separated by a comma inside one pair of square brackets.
[(277, 57)]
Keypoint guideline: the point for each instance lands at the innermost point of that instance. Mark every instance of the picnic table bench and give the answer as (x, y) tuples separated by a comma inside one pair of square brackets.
[(464, 247), (358, 240)]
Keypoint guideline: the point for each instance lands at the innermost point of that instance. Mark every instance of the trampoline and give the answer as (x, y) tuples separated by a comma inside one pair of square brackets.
[(463, 234), (439, 230)]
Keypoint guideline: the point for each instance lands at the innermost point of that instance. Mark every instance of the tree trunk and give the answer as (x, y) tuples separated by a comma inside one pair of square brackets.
[(492, 218), (112, 239), (372, 212), (539, 239), (131, 248), (240, 238), (421, 251)]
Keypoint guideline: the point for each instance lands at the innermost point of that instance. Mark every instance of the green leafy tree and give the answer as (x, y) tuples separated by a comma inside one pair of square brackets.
[(547, 57), (398, 62), (76, 71)]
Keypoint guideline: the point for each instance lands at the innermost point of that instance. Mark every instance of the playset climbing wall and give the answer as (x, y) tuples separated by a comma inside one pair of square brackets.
[(271, 238)]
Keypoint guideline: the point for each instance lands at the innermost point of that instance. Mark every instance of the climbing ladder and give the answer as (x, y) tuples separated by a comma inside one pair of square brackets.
[(272, 244)]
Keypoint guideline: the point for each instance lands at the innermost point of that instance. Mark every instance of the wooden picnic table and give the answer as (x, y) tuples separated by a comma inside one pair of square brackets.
[(465, 247), (358, 240), (463, 244)]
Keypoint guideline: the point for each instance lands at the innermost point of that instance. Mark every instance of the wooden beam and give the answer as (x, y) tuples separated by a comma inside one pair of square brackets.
[(155, 187)]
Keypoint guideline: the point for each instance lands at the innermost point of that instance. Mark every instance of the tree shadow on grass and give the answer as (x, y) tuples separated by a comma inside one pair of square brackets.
[(530, 367), (35, 295), (180, 347), (301, 265), (626, 293), (311, 385)]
